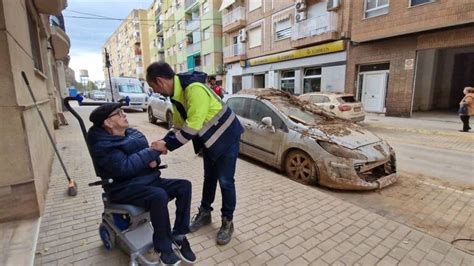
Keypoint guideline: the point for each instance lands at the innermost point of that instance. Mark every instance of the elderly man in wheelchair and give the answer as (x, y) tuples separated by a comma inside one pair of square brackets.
[(122, 156)]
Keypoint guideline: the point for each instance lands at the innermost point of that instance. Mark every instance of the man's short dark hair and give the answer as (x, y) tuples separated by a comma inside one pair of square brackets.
[(159, 70), (212, 78)]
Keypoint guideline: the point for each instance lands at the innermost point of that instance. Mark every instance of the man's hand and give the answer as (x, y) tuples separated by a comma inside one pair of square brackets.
[(153, 164), (159, 145)]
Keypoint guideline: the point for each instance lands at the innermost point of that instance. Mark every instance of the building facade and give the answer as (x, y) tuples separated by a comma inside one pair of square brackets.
[(155, 33), (192, 31), (414, 55), (298, 46), (128, 46), (33, 40)]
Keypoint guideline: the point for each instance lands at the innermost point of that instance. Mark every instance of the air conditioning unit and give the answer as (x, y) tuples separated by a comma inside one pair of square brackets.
[(300, 5), (300, 16), (242, 35), (332, 4)]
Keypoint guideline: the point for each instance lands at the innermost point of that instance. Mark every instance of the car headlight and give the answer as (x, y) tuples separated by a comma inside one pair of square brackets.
[(340, 151)]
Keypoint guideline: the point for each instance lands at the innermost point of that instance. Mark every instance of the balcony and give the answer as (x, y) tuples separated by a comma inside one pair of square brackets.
[(192, 25), (235, 52), (234, 20), (50, 7), (315, 30), (190, 3), (60, 42), (194, 48)]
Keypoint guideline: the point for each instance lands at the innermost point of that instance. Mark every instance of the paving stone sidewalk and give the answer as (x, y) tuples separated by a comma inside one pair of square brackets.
[(277, 221)]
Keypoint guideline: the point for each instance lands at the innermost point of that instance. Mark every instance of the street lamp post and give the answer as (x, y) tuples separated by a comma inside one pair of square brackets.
[(108, 65)]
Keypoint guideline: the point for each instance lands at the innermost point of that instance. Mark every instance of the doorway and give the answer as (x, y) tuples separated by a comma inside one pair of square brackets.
[(259, 81), (372, 88)]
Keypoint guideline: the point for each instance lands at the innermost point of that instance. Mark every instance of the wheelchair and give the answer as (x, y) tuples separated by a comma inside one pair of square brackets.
[(123, 226)]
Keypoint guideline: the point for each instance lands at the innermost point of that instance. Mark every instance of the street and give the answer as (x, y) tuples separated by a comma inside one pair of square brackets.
[(277, 220)]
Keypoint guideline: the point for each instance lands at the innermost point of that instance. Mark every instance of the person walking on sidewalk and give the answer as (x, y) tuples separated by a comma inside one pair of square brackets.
[(123, 154), (199, 115), (466, 108)]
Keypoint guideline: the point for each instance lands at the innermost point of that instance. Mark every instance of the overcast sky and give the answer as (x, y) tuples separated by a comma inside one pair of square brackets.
[(88, 35)]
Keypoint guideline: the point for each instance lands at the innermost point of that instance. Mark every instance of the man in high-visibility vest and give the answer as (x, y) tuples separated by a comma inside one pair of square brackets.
[(199, 115)]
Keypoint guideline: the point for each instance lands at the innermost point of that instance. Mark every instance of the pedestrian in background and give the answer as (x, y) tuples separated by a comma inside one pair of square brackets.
[(216, 88), (466, 108)]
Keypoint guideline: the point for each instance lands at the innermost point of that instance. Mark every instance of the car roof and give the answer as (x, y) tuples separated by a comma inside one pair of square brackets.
[(336, 94)]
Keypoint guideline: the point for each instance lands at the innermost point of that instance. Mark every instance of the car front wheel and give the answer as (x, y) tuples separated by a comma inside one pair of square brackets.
[(151, 117), (300, 167)]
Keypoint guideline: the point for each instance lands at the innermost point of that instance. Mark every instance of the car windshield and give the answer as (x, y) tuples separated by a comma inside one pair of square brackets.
[(297, 114), (347, 99), (130, 88)]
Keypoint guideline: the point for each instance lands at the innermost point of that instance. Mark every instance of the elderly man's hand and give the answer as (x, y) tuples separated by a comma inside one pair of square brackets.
[(160, 146), (153, 164)]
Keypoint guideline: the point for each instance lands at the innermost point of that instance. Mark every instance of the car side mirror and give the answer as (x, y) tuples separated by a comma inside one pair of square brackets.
[(331, 106), (267, 121)]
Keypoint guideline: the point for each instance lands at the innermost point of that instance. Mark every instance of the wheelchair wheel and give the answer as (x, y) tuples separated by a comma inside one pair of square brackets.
[(107, 236)]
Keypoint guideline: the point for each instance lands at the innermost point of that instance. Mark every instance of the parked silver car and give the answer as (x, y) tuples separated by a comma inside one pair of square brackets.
[(160, 108), (310, 144)]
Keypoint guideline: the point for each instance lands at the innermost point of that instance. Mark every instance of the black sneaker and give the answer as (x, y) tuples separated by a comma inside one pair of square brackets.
[(199, 220), (169, 258), (183, 248), (225, 232)]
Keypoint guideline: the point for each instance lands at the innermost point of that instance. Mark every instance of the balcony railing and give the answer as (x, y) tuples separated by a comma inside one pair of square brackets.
[(233, 16), (234, 50), (192, 25), (315, 26), (189, 3), (194, 47)]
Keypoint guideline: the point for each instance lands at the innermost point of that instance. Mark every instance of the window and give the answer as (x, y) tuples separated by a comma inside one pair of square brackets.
[(259, 110), (283, 29), (35, 42), (206, 34), (207, 59), (254, 4), (312, 80), (255, 37), (288, 81), (205, 7), (375, 8), (319, 99), (237, 105), (420, 2)]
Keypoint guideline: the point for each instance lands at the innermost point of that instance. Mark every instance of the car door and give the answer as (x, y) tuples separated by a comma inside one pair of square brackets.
[(263, 143), (160, 107), (238, 106)]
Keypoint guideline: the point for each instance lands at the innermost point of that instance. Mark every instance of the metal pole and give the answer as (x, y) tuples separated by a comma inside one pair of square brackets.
[(107, 65)]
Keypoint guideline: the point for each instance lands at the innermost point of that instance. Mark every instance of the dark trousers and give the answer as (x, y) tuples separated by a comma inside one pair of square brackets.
[(221, 169), (154, 197), (465, 122)]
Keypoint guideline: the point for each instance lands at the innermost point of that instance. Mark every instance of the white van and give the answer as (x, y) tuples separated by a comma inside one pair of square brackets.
[(130, 87)]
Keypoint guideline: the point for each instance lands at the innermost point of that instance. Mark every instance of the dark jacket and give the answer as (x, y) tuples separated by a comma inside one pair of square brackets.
[(125, 159)]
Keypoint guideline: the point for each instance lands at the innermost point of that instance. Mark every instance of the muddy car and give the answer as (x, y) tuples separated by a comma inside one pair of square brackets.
[(310, 144)]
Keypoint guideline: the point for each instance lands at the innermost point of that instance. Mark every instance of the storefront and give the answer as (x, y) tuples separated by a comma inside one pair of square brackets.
[(312, 69)]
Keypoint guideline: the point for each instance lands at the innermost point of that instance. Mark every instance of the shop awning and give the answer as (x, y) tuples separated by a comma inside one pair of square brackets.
[(226, 4)]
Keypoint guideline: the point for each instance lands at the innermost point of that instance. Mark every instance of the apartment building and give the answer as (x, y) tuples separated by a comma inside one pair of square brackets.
[(129, 46), (155, 33), (192, 32), (410, 55), (298, 46), (33, 39)]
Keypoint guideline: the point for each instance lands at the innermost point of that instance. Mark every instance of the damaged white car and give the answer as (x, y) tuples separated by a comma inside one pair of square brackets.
[(311, 145)]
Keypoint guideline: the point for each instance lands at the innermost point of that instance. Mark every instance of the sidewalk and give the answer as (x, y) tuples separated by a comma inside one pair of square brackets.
[(277, 221)]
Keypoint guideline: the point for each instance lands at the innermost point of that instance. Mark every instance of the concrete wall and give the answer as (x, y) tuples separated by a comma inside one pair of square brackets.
[(26, 157), (427, 61), (402, 19)]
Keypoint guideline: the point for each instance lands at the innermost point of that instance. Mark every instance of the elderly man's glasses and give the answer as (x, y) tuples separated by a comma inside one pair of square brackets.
[(120, 113)]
